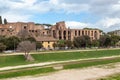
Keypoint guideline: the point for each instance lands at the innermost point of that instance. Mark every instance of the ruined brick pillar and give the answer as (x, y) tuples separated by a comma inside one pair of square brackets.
[(62, 34), (66, 34)]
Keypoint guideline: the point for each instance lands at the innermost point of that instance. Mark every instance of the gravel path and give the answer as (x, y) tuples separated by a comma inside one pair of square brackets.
[(90, 73)]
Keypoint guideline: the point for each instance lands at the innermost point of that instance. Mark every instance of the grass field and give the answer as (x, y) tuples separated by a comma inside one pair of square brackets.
[(93, 62), (62, 56), (68, 65), (74, 55), (26, 72)]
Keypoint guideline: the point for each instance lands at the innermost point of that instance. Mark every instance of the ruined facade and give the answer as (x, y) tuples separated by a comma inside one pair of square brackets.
[(48, 36), (12, 29), (116, 32), (58, 31)]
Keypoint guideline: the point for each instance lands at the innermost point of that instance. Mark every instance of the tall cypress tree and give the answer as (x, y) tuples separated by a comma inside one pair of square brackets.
[(0, 20), (5, 21)]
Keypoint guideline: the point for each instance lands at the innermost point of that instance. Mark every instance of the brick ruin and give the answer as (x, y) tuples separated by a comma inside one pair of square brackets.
[(58, 31)]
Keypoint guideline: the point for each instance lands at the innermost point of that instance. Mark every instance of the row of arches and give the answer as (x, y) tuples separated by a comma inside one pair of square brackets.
[(90, 33), (67, 34)]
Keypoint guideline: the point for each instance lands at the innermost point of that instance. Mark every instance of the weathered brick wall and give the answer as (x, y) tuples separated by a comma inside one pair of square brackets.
[(58, 31)]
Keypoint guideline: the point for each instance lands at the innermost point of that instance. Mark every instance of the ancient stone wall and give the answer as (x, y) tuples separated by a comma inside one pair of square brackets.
[(58, 31)]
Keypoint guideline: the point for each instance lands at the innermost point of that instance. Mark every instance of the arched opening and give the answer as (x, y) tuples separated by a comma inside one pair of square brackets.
[(60, 37), (79, 32), (54, 34), (82, 33), (64, 34), (95, 34), (75, 33), (85, 32), (91, 33)]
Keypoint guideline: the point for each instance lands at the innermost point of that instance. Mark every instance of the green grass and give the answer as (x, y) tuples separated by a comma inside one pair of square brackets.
[(74, 55), (62, 56), (26, 72), (93, 62), (12, 60), (113, 77), (67, 65)]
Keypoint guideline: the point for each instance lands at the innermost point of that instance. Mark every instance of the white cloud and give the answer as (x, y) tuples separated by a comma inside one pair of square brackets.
[(77, 25), (99, 7), (108, 22), (22, 10), (73, 8), (16, 17)]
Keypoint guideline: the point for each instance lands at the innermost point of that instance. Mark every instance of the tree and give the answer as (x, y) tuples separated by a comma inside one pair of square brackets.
[(77, 42), (32, 39), (61, 44), (26, 47), (118, 44), (95, 43), (48, 25), (5, 21), (114, 39), (55, 45), (0, 20), (39, 45), (2, 47), (105, 41), (82, 41), (87, 41), (68, 43), (2, 39), (102, 40), (11, 42), (23, 34)]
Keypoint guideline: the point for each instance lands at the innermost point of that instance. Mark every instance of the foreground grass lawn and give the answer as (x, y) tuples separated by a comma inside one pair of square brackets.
[(93, 62), (67, 65), (113, 77), (26, 72), (12, 60), (74, 55), (62, 56)]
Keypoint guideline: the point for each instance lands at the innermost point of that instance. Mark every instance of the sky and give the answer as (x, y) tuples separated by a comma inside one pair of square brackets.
[(78, 14)]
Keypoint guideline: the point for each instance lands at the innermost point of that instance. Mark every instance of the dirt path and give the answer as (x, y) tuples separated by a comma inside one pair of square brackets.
[(90, 73)]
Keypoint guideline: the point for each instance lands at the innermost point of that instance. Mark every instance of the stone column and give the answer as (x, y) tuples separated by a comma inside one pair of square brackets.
[(62, 36), (66, 34), (80, 32)]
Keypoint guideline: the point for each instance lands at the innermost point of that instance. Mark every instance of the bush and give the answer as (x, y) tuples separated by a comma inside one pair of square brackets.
[(2, 47)]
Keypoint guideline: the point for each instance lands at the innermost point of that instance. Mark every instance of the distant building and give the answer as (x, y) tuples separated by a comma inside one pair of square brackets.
[(47, 42), (59, 31), (49, 35), (116, 32)]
